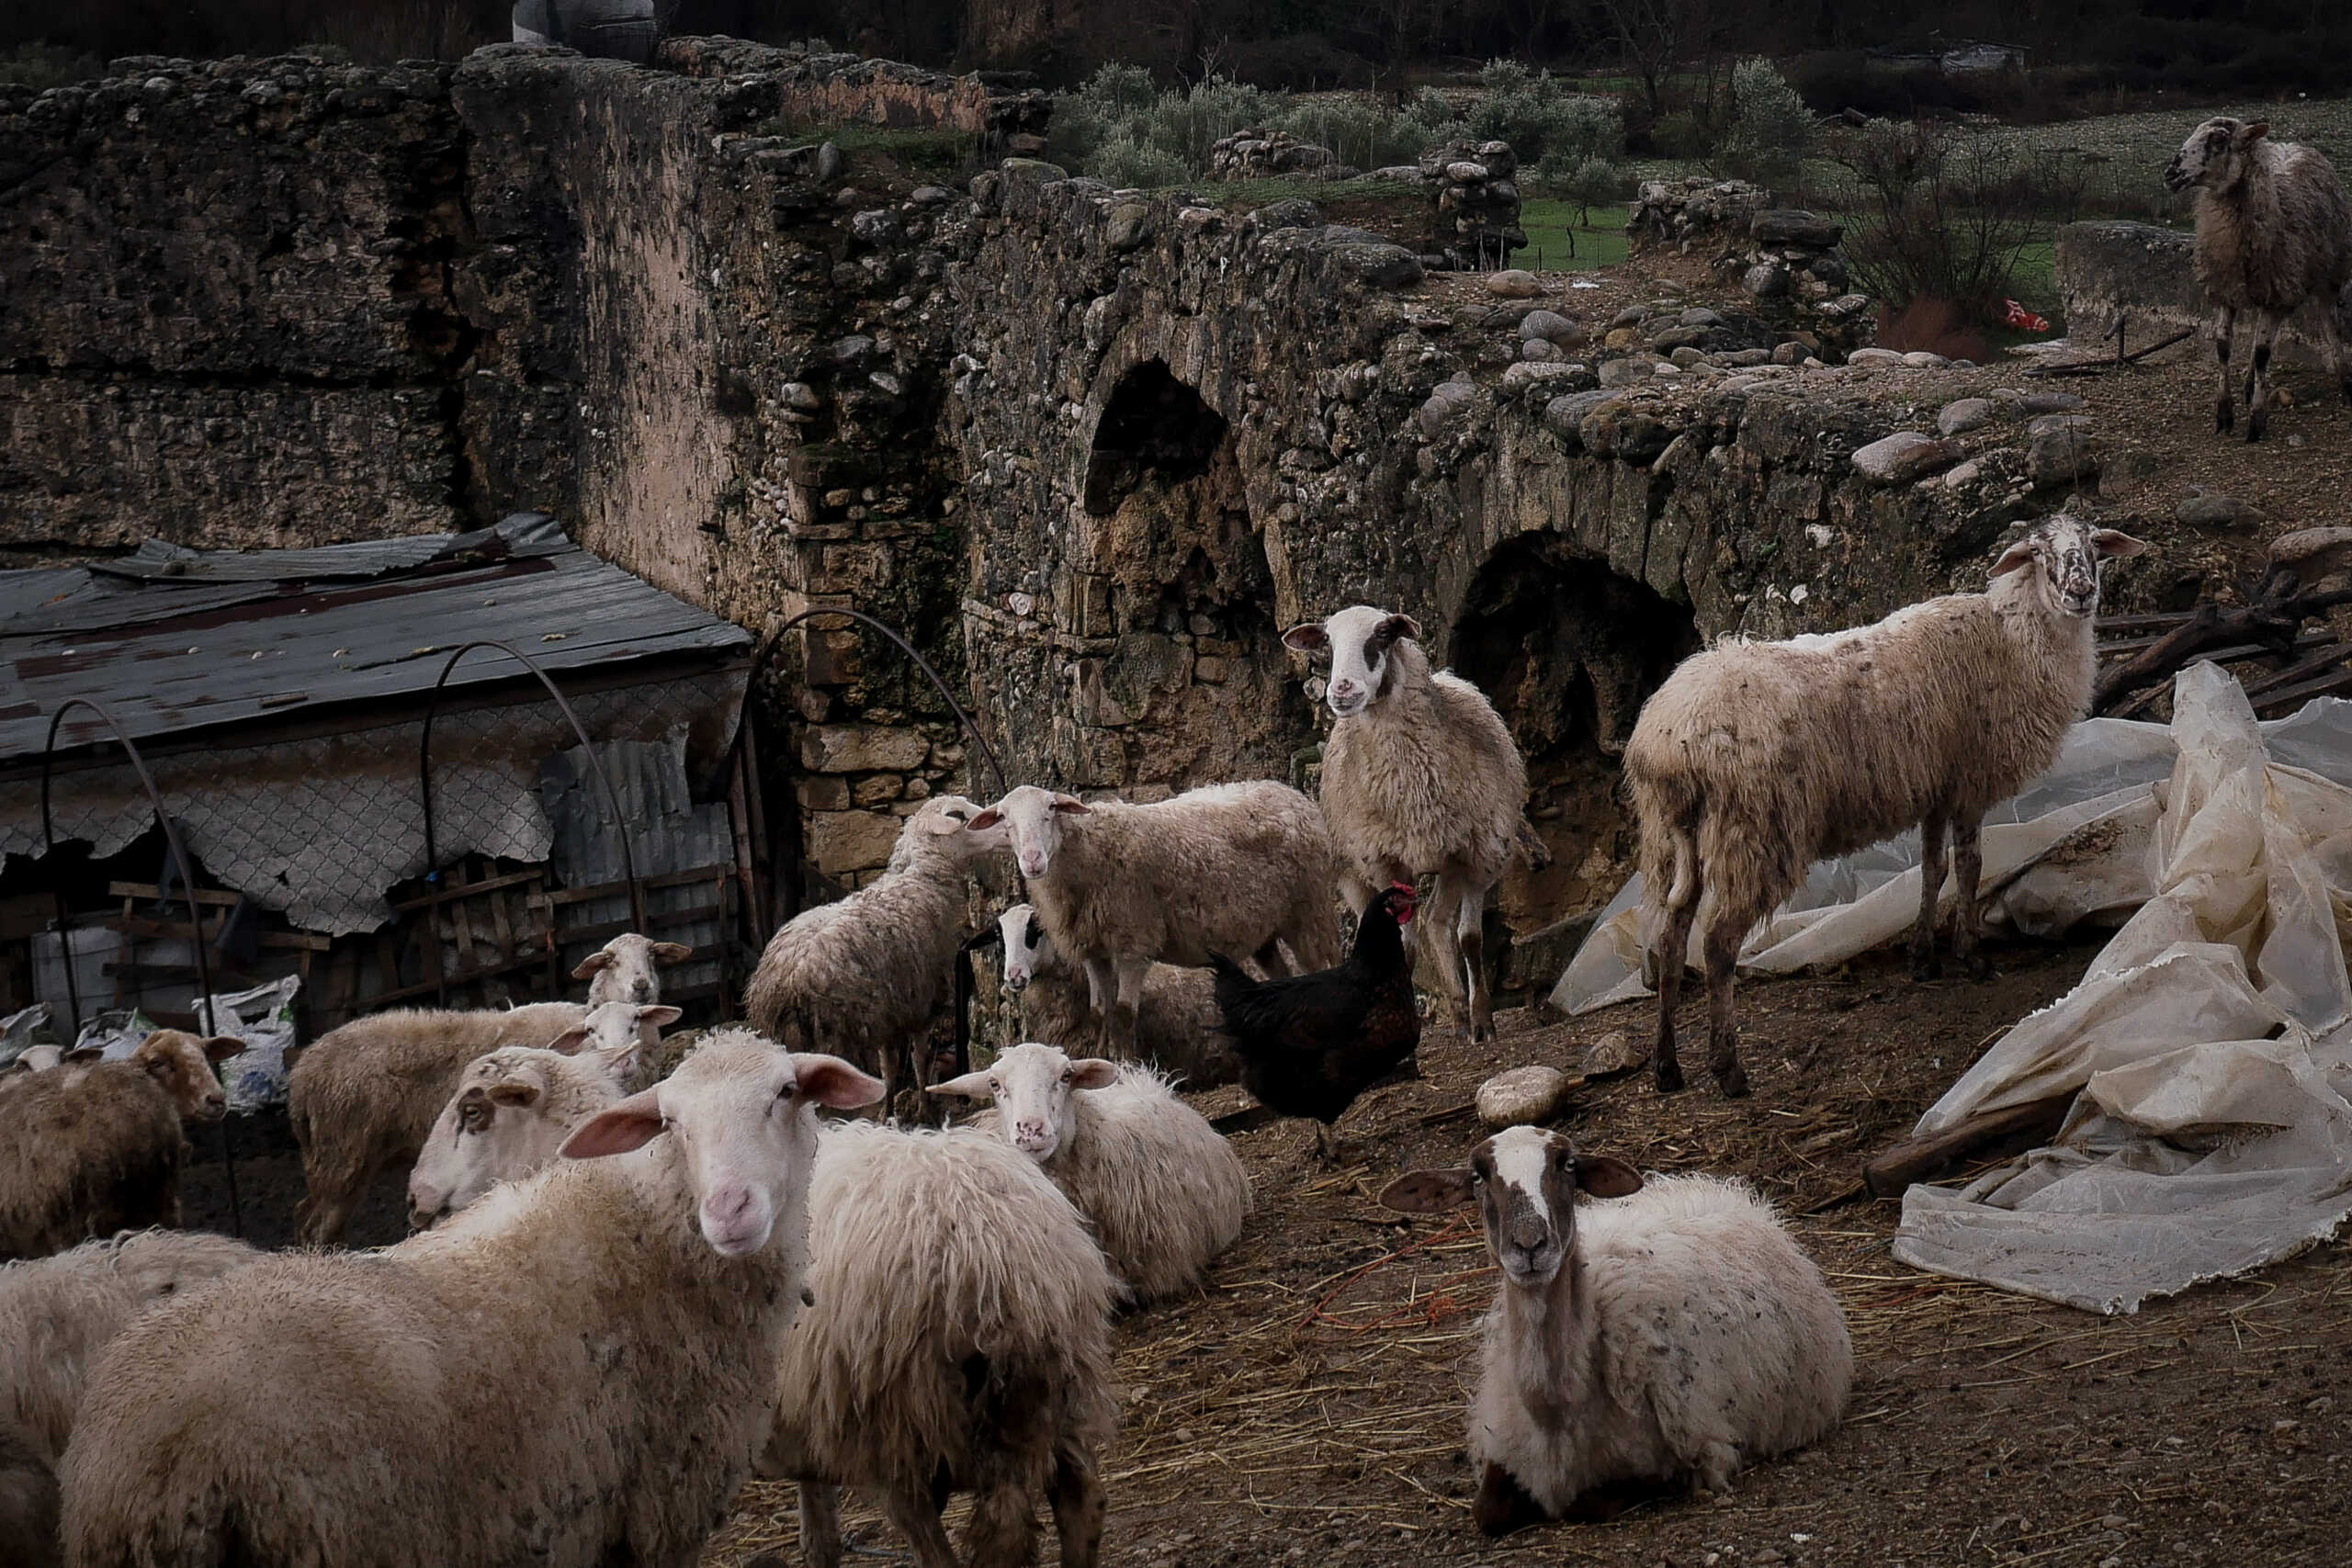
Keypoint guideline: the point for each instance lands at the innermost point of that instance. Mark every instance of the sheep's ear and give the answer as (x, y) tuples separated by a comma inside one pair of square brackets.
[(571, 1040), (828, 1080), (2111, 542), (672, 953), (971, 1085), (659, 1017), (1093, 1073), (1606, 1177), (2014, 558), (1427, 1192), (515, 1091), (98, 1053), (1307, 637), (988, 819), (2250, 134), (220, 1047), (1396, 626), (631, 1124), (594, 961), (619, 1062), (1070, 806)]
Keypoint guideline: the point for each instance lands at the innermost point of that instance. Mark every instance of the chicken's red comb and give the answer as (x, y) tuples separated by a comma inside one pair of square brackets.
[(1404, 887)]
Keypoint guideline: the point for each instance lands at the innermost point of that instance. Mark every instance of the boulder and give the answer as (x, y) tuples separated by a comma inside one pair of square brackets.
[(1627, 372), (1878, 458), (1514, 283), (1965, 415), (1794, 226), (1553, 327), (1522, 1095), (2061, 457)]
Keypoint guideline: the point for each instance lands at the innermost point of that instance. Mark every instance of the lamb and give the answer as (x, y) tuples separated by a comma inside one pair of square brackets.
[(365, 1094), (622, 969), (861, 976), (1420, 775), (1755, 760), (579, 1370), (1232, 868), (2273, 230), (56, 1314), (876, 1386), (510, 1113), (98, 1149), (1177, 1021), (1672, 1336), (1166, 1194)]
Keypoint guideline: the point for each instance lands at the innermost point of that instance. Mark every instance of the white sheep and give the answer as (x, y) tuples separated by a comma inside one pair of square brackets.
[(579, 1370), (1420, 776), (623, 970), (48, 1058), (97, 1149), (1165, 1192), (1236, 868), (1676, 1335), (2273, 230), (1756, 759), (366, 1095), (511, 1113), (1177, 1023), (863, 975)]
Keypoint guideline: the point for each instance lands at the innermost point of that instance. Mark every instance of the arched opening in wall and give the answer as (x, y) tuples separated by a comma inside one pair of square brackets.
[(1154, 427), (1568, 651)]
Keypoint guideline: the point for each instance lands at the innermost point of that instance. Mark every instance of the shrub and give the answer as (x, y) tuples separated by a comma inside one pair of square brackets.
[(1771, 130), (1538, 114), (46, 65), (1123, 161), (1187, 121), (1593, 182), (1351, 128)]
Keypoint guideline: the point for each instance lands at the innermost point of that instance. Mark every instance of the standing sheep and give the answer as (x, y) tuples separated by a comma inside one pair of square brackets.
[(2273, 230), (1756, 759), (861, 976), (578, 1370), (1234, 868), (94, 1150), (1674, 1335), (1165, 1192), (1420, 775), (1176, 1026)]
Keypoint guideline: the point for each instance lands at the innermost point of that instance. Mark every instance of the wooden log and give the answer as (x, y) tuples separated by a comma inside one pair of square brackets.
[(1890, 1171)]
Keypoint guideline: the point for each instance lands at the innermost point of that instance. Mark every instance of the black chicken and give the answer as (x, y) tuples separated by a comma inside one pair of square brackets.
[(1310, 1044)]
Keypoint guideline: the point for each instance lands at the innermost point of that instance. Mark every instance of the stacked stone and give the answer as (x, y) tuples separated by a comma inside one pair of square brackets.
[(1475, 191), (1691, 214), (1790, 253), (1264, 155), (859, 780)]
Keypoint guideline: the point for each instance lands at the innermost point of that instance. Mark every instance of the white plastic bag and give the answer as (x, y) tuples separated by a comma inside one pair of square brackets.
[(264, 1018)]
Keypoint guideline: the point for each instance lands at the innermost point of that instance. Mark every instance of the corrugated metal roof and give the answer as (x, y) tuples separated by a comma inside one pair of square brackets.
[(175, 640)]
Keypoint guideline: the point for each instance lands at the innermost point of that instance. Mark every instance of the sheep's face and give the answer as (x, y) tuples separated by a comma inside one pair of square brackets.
[(1030, 819), (615, 1032), (1525, 1180), (741, 1113), (182, 1064), (623, 970), (2065, 555), (1032, 1086), (499, 1125), (1024, 946), (156, 1264), (2214, 156), (1359, 640)]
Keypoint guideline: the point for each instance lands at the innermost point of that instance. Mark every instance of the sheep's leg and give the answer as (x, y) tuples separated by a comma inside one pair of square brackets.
[(326, 1208), (2226, 326), (1076, 1494), (1119, 1031), (1931, 886), (1102, 985), (820, 1524), (1724, 936), (1503, 1505), (917, 1518), (1003, 1531), (1671, 952), (1967, 869), (1470, 938), (2257, 382)]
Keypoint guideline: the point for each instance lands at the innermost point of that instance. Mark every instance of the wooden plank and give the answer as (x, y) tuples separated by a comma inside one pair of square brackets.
[(285, 941), (1891, 1171), (469, 889), (621, 889), (655, 920), (455, 978)]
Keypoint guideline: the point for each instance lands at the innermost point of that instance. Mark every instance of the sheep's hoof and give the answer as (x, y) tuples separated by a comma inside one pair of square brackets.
[(1503, 1505), (2347, 388), (2258, 426), (1979, 967), (1732, 1083), (1669, 1077)]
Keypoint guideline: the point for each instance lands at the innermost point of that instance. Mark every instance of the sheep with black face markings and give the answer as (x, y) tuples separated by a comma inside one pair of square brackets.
[(510, 1114), (1673, 1336)]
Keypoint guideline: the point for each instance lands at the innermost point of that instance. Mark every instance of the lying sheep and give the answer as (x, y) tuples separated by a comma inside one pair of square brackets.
[(97, 1149), (1165, 1192), (47, 1059), (1234, 868), (880, 1385), (366, 1095), (1674, 1335), (1756, 759), (510, 1114), (578, 1371), (622, 969), (1420, 776), (861, 976), (1176, 1025), (56, 1314)]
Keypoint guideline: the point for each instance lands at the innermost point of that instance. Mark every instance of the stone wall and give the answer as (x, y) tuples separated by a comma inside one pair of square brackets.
[(2143, 276)]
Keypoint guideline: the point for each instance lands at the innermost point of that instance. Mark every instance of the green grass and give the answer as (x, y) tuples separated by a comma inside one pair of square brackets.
[(1551, 227), (934, 148), (1243, 194)]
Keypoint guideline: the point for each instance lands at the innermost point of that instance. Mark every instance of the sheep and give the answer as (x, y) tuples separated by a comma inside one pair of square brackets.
[(2273, 230), (1166, 1194), (1674, 1334), (861, 976), (878, 1385), (366, 1095), (47, 1059), (1420, 775), (579, 1370), (98, 1149), (510, 1113), (1177, 1022), (1232, 868), (622, 969), (56, 1314), (1756, 759)]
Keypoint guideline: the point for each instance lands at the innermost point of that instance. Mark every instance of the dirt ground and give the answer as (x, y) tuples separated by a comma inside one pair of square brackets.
[(1308, 1407)]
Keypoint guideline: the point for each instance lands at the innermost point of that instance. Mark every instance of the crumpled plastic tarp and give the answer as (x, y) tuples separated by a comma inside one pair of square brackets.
[(2210, 1044)]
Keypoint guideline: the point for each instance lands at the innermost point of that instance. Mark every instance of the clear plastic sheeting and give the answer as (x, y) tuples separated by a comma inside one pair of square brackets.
[(2209, 1047)]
